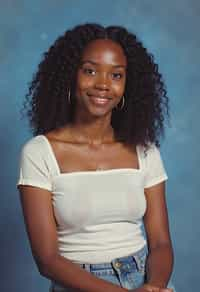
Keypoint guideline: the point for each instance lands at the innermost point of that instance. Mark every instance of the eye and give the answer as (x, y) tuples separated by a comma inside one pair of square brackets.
[(117, 75), (89, 71)]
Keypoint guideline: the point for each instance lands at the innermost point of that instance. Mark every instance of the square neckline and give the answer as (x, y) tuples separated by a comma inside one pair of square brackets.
[(98, 171)]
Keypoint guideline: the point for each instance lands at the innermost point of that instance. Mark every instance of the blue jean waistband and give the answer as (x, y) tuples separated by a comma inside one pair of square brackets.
[(138, 257)]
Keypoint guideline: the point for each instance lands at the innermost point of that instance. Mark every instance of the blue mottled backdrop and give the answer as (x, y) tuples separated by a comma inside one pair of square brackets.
[(170, 29)]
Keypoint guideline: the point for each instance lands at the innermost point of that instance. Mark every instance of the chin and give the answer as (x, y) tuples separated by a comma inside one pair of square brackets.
[(98, 113), (89, 110)]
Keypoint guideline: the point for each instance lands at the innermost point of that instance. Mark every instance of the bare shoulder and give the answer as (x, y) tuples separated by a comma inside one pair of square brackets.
[(60, 135), (65, 150), (61, 140)]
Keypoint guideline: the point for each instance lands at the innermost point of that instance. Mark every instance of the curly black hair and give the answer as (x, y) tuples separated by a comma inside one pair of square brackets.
[(141, 121)]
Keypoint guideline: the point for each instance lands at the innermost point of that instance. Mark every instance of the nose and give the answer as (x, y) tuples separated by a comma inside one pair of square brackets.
[(102, 82)]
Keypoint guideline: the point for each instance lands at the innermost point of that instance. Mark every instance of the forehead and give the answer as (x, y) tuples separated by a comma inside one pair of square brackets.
[(104, 51)]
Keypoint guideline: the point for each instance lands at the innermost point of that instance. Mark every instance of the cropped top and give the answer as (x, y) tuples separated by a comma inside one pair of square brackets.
[(98, 213)]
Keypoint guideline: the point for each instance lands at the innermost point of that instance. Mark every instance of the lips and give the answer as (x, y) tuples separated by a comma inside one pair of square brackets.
[(99, 96), (99, 100)]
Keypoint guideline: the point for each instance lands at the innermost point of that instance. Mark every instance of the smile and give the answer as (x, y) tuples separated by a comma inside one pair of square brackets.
[(98, 100)]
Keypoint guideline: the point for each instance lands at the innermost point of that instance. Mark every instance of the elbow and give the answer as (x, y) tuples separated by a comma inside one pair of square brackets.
[(165, 247), (162, 245), (160, 242), (45, 266), (44, 271)]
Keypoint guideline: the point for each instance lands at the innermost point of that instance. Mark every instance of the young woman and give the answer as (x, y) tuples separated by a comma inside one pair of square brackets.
[(93, 172)]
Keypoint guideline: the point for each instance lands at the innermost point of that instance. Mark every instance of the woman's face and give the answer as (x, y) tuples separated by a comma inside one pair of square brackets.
[(101, 78)]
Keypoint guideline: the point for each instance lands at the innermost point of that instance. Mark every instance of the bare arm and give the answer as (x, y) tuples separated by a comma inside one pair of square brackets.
[(160, 259), (41, 228)]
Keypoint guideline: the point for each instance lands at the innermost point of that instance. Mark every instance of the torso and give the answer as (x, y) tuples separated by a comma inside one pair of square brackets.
[(75, 156)]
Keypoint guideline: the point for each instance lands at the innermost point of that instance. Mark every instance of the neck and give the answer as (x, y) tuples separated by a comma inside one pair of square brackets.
[(96, 132)]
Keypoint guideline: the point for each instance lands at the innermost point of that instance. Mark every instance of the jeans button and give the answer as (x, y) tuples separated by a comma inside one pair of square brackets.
[(118, 264)]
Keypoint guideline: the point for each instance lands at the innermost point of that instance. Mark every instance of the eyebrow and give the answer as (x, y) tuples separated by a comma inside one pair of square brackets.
[(95, 63)]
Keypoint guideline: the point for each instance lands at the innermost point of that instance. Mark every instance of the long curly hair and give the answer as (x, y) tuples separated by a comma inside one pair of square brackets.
[(140, 121)]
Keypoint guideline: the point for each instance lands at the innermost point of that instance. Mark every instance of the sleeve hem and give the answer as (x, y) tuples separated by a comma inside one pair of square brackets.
[(156, 180), (34, 184)]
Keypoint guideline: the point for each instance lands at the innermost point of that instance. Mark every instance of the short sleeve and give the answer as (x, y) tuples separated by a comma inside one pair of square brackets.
[(33, 169), (154, 168)]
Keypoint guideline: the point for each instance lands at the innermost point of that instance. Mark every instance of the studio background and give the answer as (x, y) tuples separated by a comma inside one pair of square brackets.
[(170, 30)]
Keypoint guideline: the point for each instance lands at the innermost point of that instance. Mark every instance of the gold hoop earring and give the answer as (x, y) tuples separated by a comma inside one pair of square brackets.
[(123, 102), (69, 97)]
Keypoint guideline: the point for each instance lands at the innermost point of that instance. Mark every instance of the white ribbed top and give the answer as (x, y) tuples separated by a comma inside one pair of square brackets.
[(98, 213)]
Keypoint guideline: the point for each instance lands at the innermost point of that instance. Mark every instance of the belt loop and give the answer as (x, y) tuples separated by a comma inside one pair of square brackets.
[(140, 259), (138, 262), (86, 267)]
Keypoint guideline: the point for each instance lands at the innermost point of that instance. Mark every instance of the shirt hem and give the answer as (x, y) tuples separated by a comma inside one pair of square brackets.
[(107, 257), (34, 184), (157, 180)]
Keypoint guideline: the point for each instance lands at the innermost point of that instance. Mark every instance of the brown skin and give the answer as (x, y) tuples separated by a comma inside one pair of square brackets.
[(102, 73)]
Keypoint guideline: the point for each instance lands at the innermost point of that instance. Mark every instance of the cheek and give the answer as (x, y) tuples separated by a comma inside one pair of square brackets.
[(83, 83), (119, 88)]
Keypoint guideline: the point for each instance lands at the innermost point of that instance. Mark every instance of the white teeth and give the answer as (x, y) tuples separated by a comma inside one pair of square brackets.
[(100, 100), (99, 97)]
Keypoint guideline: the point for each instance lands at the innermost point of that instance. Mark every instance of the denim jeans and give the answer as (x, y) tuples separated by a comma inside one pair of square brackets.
[(127, 272)]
